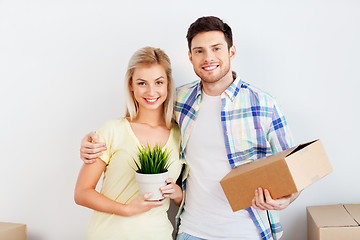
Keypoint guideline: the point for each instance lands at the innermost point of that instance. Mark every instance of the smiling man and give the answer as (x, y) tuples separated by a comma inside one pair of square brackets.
[(224, 124)]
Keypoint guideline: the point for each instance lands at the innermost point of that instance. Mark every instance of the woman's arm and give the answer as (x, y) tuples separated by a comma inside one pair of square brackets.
[(86, 195)]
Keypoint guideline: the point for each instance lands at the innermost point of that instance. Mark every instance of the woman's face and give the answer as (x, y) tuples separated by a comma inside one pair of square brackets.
[(149, 85)]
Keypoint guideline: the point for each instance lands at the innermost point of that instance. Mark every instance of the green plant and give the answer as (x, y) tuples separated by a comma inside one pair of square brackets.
[(152, 161)]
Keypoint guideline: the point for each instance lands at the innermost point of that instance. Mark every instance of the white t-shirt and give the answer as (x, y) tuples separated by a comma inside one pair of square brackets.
[(207, 213)]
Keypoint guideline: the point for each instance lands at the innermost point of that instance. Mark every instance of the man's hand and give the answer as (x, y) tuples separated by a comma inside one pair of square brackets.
[(91, 149), (264, 201)]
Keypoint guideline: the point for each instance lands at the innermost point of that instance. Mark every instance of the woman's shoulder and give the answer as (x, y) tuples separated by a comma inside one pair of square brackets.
[(175, 131), (174, 126), (113, 125)]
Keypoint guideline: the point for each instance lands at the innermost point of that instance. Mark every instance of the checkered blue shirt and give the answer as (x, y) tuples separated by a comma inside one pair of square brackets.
[(253, 127)]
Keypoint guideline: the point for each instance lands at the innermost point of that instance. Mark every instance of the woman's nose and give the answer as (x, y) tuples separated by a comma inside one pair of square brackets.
[(151, 89)]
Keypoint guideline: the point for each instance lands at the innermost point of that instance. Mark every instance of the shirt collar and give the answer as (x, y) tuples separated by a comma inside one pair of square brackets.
[(232, 91)]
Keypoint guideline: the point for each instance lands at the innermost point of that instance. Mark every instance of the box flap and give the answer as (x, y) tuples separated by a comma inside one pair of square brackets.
[(331, 216), (354, 211), (308, 163), (299, 147), (256, 164)]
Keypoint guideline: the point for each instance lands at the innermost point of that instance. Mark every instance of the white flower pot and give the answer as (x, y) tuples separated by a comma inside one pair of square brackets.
[(151, 183)]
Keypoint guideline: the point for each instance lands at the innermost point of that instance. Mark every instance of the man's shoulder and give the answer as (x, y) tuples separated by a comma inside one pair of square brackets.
[(188, 87), (187, 90), (255, 92)]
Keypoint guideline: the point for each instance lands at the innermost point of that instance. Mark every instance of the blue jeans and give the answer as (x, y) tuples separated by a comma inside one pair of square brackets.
[(185, 236)]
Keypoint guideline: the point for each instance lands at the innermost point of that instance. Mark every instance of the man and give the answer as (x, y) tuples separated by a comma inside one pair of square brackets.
[(224, 124)]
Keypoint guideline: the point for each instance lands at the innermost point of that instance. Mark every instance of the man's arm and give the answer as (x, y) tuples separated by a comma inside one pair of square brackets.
[(280, 139), (91, 149)]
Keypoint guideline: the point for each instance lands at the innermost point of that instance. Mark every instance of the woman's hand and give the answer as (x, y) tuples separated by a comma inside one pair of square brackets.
[(264, 201), (172, 191), (141, 205)]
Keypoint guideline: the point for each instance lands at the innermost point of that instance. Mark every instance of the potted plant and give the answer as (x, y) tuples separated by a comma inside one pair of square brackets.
[(152, 170)]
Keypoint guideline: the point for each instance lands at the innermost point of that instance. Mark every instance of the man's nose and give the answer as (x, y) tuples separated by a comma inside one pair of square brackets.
[(209, 56)]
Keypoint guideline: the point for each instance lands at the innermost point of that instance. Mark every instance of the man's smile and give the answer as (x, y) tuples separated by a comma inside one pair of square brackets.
[(209, 68)]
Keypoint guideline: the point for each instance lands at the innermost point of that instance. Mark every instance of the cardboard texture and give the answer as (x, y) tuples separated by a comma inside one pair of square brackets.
[(12, 231), (333, 222), (282, 174)]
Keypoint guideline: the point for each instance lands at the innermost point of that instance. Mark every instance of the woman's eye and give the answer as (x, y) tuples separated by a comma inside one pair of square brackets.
[(159, 82), (141, 83)]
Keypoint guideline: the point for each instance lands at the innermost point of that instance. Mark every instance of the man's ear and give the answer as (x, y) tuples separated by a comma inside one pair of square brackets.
[(190, 57), (232, 52)]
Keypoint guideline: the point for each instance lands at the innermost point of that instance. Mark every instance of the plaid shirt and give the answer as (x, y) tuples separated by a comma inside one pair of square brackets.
[(253, 128)]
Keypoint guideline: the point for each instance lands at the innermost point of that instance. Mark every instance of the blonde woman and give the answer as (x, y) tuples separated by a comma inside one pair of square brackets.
[(120, 213)]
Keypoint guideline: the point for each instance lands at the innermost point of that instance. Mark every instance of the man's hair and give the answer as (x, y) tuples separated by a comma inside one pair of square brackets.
[(149, 56), (206, 24)]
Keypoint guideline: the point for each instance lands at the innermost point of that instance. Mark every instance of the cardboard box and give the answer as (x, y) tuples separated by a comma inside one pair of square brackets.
[(334, 222), (283, 173), (12, 231)]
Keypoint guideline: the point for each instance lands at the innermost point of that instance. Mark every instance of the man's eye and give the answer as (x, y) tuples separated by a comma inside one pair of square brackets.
[(217, 49), (198, 51)]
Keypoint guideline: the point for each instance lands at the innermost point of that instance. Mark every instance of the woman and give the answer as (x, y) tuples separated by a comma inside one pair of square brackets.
[(120, 213)]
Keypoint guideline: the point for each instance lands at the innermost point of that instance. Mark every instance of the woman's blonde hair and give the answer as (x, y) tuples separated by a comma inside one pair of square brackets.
[(148, 56)]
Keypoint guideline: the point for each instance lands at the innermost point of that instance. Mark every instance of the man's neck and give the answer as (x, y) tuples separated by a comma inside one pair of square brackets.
[(217, 88)]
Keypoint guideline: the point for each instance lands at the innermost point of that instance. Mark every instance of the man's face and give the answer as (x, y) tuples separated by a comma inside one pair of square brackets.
[(210, 56)]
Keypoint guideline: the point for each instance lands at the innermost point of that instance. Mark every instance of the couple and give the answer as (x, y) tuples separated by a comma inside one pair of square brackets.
[(223, 122)]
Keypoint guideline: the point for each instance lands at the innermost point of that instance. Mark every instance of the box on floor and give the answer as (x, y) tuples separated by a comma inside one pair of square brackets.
[(12, 231), (333, 222)]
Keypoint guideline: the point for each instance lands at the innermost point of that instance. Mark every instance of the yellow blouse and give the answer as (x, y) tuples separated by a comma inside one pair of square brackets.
[(120, 185)]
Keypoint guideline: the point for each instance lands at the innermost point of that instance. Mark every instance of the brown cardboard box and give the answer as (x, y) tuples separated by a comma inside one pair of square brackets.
[(12, 231), (334, 222), (283, 173)]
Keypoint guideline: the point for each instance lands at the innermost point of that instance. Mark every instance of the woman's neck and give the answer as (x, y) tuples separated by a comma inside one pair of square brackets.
[(151, 118)]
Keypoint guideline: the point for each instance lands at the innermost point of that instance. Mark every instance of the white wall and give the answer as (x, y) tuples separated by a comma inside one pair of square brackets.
[(62, 65)]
